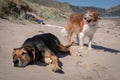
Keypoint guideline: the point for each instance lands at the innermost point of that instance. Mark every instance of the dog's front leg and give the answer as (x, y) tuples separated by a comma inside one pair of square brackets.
[(90, 42), (81, 36), (77, 39), (51, 58), (55, 66)]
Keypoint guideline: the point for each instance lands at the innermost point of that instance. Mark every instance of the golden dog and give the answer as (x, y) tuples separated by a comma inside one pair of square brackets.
[(82, 25)]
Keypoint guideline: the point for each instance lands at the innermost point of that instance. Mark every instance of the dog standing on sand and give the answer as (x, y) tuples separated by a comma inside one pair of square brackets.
[(82, 26)]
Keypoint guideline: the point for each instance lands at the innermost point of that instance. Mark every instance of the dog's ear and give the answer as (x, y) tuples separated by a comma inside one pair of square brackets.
[(31, 52), (15, 49), (96, 16), (13, 53), (29, 49)]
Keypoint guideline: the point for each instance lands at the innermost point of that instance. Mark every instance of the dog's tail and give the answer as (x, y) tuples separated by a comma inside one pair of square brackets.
[(64, 32), (64, 48), (67, 49)]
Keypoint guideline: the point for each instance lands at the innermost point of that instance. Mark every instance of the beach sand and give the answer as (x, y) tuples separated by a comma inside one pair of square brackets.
[(100, 63)]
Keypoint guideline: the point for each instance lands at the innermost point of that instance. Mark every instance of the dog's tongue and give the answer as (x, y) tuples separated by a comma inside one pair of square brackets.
[(86, 22)]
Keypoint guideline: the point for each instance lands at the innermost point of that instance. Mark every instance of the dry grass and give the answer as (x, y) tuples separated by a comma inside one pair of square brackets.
[(17, 9)]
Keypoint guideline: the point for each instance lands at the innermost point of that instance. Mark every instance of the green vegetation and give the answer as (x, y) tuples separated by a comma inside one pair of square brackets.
[(13, 8), (2, 5), (18, 9)]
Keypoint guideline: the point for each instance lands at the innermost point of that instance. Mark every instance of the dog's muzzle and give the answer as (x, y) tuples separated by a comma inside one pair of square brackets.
[(19, 63), (87, 20), (15, 62)]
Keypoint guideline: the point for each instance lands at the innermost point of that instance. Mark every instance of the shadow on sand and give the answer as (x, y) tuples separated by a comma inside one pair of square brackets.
[(39, 63), (97, 47)]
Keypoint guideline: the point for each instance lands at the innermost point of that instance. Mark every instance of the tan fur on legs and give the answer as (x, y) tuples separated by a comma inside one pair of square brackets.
[(69, 33), (47, 56), (51, 58), (55, 66)]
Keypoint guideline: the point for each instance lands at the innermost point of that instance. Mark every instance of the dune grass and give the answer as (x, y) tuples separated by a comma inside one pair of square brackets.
[(17, 9)]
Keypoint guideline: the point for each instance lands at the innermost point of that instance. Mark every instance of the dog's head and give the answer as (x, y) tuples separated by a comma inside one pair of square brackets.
[(91, 17), (23, 56)]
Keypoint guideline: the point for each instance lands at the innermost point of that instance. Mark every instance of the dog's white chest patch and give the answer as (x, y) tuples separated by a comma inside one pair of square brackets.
[(89, 29)]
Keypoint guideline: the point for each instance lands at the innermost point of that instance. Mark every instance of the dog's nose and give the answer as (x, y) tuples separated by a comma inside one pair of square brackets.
[(15, 61), (85, 18)]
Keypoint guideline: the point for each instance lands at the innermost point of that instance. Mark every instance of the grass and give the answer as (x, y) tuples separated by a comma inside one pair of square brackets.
[(17, 9)]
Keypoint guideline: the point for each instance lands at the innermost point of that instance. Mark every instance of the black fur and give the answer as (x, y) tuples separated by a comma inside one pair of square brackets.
[(40, 43)]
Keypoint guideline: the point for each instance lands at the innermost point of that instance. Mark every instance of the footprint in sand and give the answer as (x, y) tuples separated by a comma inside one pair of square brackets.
[(92, 71)]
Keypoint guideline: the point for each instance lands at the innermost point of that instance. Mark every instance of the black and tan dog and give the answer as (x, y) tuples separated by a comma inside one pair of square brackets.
[(40, 47)]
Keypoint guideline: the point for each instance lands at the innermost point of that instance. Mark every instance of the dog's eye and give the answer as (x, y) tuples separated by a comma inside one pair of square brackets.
[(14, 56), (90, 15), (23, 53)]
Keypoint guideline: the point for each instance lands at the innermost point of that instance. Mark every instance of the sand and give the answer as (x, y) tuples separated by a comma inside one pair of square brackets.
[(100, 63)]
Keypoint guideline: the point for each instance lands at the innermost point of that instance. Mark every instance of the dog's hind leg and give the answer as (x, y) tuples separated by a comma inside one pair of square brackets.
[(51, 58), (69, 30)]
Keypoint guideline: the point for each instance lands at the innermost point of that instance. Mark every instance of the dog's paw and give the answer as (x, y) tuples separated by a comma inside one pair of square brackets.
[(58, 70), (89, 48), (48, 60)]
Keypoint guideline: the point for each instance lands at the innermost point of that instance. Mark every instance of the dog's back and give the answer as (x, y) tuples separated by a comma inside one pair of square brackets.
[(74, 23), (43, 41)]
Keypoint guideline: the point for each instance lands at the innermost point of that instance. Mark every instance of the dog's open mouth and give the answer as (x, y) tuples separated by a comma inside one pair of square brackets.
[(87, 21)]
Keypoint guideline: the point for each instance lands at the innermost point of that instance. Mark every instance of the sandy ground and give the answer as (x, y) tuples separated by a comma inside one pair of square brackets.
[(100, 63)]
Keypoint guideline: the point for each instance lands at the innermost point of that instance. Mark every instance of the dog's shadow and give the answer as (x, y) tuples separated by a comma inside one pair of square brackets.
[(41, 63), (97, 47)]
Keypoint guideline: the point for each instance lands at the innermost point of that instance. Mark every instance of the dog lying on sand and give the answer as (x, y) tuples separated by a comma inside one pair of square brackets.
[(40, 47)]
